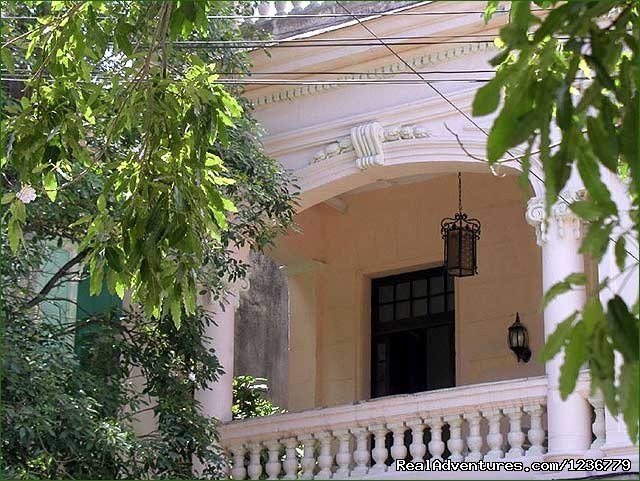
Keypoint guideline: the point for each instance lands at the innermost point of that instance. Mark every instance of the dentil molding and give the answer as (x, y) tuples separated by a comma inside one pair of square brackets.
[(367, 141), (416, 62), (566, 221)]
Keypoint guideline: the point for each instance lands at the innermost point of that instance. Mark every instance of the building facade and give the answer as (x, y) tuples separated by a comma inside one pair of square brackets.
[(389, 359)]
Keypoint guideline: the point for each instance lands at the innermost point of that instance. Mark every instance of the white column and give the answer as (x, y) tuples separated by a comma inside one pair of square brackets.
[(569, 421), (617, 442), (217, 400)]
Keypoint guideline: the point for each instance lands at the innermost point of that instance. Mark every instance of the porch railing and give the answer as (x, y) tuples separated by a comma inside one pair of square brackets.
[(489, 421)]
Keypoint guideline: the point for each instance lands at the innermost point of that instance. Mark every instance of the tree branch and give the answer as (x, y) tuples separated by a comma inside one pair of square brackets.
[(56, 277)]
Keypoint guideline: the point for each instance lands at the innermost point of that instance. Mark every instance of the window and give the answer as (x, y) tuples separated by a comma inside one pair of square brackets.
[(413, 319)]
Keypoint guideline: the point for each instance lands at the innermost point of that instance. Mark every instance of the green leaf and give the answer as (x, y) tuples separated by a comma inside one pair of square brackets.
[(621, 252), (587, 210), (623, 328), (176, 313), (575, 355), (15, 234), (114, 259), (96, 277), (593, 315), (590, 173), (121, 36), (575, 279), (557, 339), (564, 114), (629, 398), (50, 182), (487, 98), (490, 9), (7, 60), (7, 198), (88, 115), (596, 240), (605, 146)]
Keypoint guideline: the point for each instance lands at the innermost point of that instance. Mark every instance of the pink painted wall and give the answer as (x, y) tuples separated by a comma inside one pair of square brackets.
[(333, 256)]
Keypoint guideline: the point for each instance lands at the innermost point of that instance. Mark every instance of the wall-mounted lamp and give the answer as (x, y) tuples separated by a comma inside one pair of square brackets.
[(519, 340)]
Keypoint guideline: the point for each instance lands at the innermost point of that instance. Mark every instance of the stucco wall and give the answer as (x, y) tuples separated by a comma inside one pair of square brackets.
[(261, 337), (397, 229)]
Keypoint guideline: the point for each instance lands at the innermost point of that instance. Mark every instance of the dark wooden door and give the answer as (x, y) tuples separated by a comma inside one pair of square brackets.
[(413, 333)]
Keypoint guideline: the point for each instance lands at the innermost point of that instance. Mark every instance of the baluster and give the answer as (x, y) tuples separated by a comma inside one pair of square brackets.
[(343, 456), (308, 460), (455, 443), (281, 7), (255, 468), (361, 454), (379, 451), (297, 7), (273, 466), (536, 433), (494, 438), (291, 460), (417, 447), (436, 446), (325, 459), (474, 441), (598, 426), (238, 470), (264, 8), (398, 449), (515, 436)]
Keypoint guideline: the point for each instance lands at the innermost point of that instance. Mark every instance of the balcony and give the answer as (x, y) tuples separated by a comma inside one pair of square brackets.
[(494, 421)]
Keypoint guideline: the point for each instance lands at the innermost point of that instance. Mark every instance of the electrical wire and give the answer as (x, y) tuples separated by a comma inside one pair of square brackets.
[(458, 109)]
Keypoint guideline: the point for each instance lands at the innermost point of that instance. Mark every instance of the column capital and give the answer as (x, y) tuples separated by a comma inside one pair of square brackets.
[(565, 220)]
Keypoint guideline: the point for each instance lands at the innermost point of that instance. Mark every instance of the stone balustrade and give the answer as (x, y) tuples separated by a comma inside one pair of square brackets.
[(490, 421)]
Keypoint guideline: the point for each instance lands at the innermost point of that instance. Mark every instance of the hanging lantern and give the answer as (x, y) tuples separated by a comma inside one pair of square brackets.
[(460, 236), (519, 340)]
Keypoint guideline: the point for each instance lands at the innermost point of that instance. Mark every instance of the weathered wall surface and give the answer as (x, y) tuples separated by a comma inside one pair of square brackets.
[(261, 337)]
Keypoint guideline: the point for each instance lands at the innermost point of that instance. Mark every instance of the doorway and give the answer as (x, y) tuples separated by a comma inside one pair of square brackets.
[(413, 332)]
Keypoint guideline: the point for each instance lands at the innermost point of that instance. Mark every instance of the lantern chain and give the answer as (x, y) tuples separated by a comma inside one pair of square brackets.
[(459, 191)]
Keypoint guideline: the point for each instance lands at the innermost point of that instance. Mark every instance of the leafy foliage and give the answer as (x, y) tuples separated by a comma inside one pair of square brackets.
[(155, 174), (576, 71), (108, 94), (249, 399)]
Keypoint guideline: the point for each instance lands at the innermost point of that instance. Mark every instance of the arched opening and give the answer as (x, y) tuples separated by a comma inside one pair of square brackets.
[(391, 226)]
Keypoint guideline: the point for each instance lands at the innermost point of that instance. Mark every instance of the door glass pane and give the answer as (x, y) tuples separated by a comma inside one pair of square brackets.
[(420, 288), (386, 313), (436, 304), (436, 285), (402, 310), (420, 307), (403, 291), (385, 294)]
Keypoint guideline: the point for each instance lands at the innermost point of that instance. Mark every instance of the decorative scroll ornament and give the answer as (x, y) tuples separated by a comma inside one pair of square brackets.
[(391, 134), (367, 142), (565, 220)]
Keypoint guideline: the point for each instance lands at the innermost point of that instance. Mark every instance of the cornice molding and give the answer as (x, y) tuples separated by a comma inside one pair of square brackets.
[(396, 67)]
